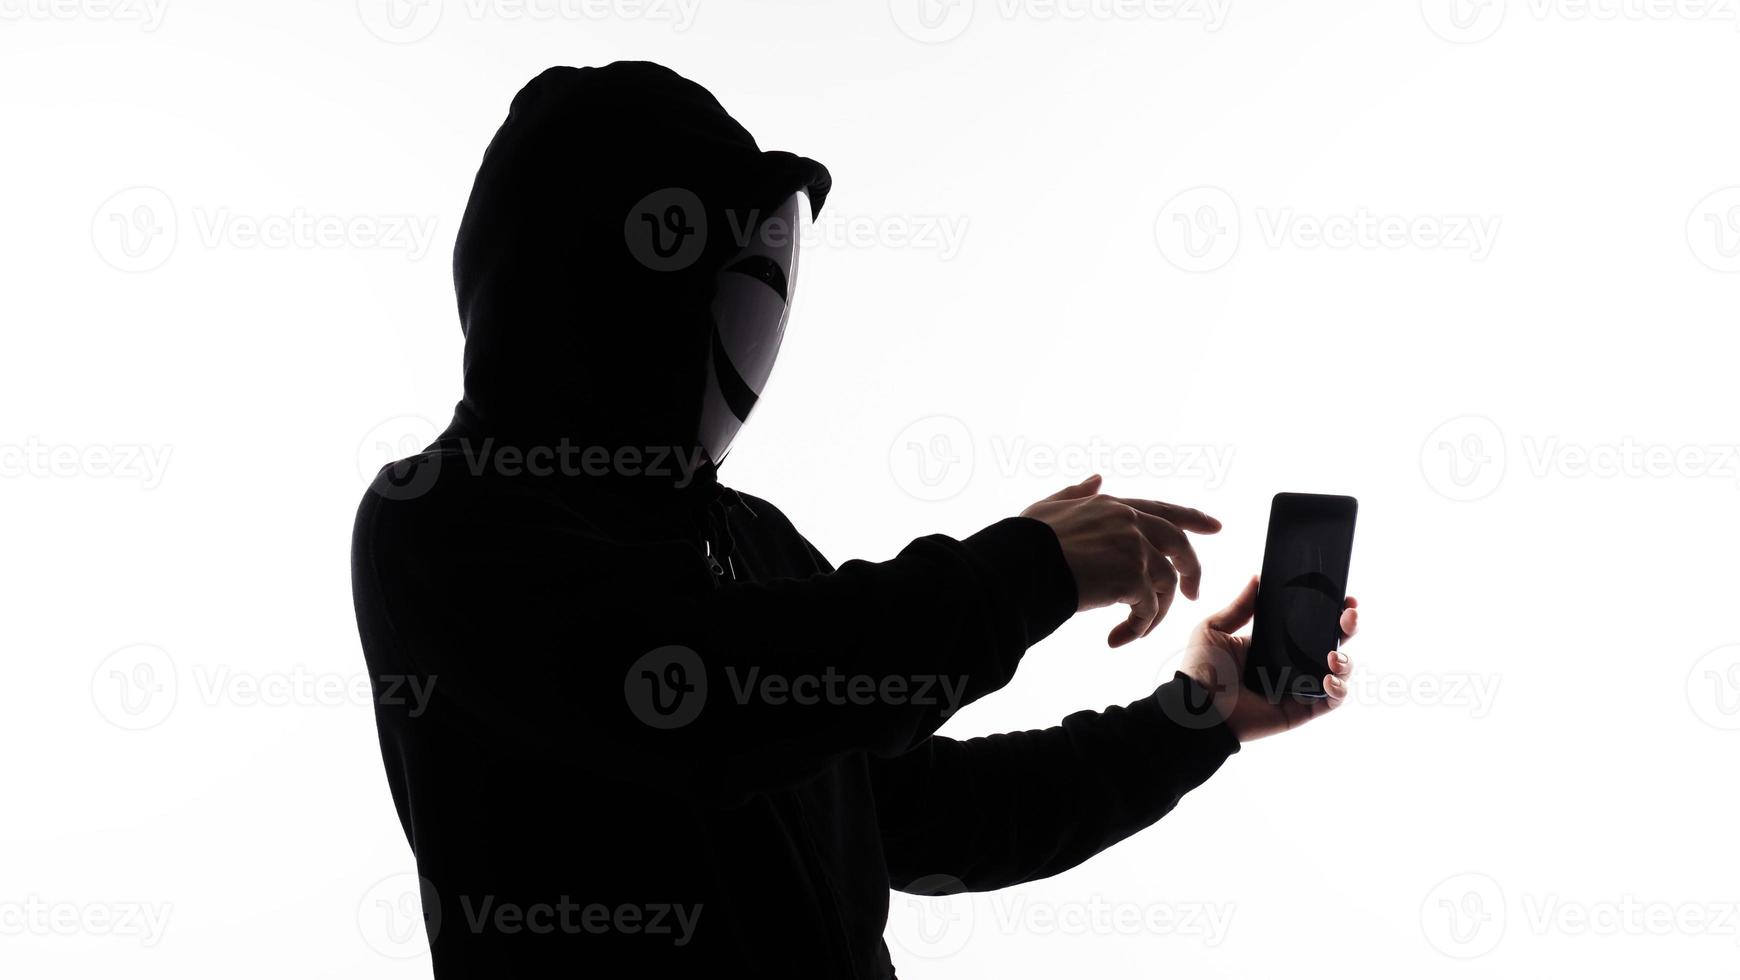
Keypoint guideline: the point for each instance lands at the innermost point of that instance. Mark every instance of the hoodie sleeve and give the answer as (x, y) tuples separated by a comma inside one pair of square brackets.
[(999, 810), (631, 661)]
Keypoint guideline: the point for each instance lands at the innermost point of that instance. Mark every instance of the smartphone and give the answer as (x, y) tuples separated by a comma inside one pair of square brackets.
[(1299, 599)]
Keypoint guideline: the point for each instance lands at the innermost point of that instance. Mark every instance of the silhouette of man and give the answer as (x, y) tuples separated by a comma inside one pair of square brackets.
[(662, 733)]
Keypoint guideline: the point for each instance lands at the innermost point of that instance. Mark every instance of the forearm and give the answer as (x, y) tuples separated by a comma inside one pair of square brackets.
[(1004, 809)]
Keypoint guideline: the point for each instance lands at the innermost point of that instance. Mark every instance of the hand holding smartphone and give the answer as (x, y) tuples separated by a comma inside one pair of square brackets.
[(1301, 594)]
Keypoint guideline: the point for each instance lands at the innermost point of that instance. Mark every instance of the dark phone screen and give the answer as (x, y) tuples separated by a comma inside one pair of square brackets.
[(1299, 601)]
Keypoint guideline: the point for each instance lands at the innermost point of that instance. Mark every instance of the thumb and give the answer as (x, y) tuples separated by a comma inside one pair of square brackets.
[(1238, 612), (1085, 488)]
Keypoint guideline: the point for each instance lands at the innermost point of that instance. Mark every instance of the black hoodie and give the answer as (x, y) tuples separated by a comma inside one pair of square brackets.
[(663, 734)]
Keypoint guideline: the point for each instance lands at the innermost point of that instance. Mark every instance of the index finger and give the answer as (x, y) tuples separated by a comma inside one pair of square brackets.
[(1188, 518), (1171, 542)]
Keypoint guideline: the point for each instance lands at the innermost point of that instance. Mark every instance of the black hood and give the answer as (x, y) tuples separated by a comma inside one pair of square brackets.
[(582, 268)]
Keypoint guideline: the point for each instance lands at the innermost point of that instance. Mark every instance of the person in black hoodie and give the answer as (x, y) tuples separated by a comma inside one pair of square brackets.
[(662, 733)]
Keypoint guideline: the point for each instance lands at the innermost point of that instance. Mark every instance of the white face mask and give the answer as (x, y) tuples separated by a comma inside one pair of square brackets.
[(751, 301)]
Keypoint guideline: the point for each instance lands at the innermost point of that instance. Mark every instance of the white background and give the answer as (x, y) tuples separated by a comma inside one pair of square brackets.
[(1242, 232)]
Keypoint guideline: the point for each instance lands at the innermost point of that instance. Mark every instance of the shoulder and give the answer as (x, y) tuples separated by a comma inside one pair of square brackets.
[(423, 505)]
